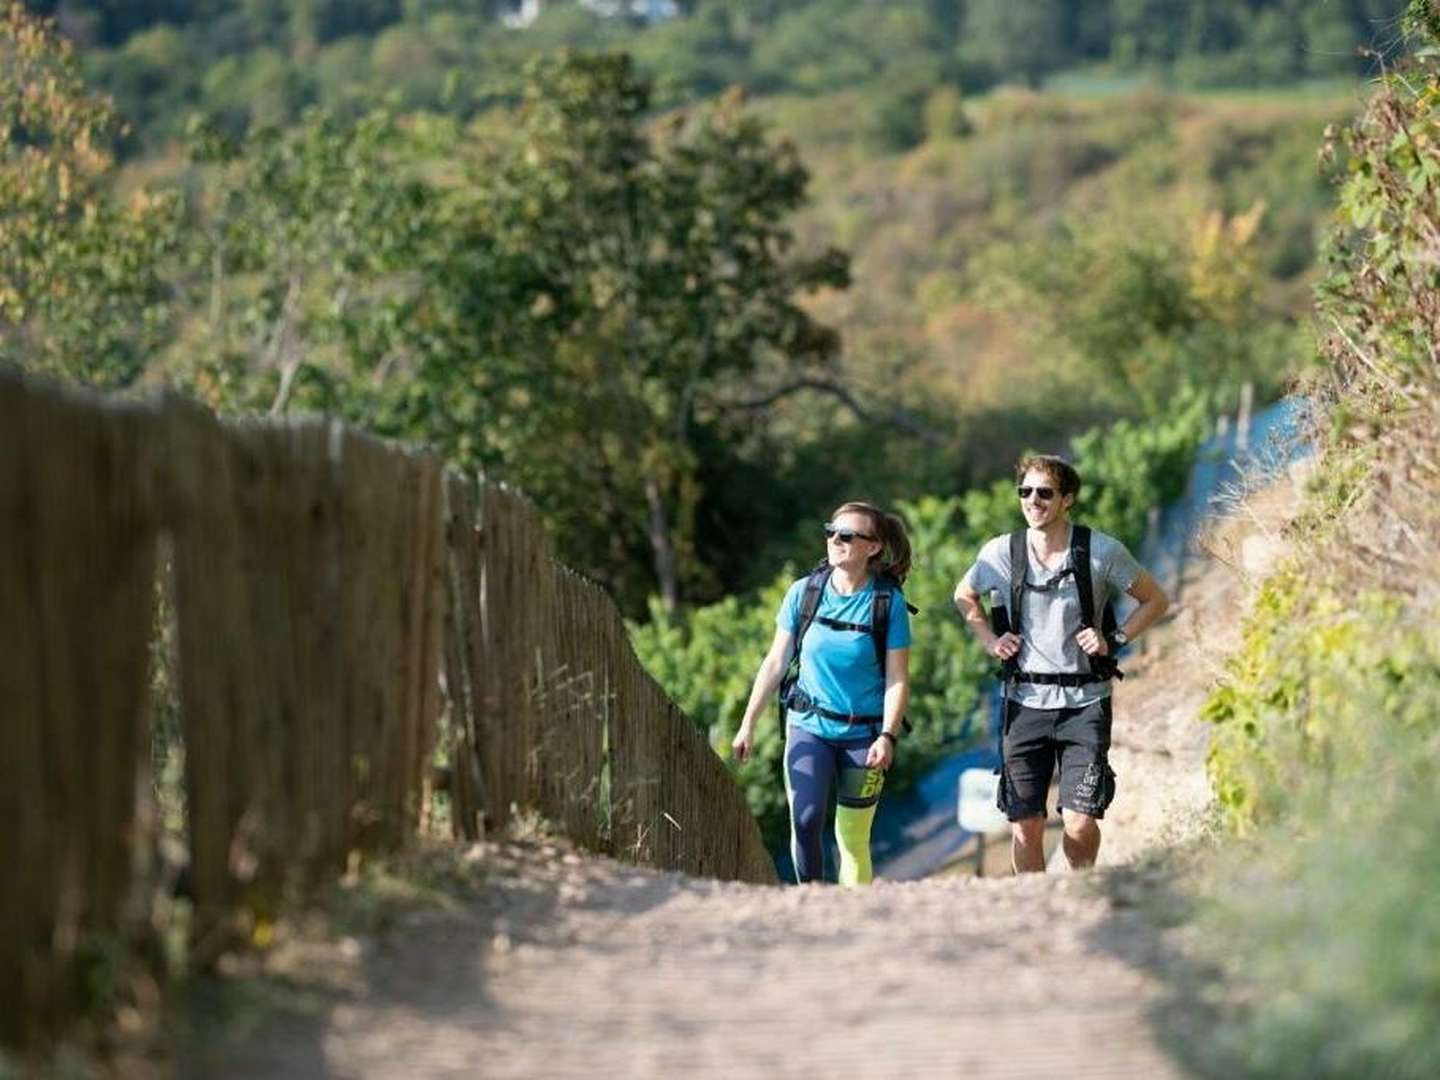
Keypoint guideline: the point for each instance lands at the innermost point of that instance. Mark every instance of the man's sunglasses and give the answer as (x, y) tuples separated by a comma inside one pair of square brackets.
[(1044, 494), (845, 536)]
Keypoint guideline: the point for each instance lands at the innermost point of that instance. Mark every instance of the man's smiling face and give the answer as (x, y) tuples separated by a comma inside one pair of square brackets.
[(1040, 499)]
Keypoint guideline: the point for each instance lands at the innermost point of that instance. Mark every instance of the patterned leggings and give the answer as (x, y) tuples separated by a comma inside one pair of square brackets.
[(812, 766)]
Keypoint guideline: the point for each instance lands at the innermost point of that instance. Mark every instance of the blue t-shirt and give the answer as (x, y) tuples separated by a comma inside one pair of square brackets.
[(837, 667)]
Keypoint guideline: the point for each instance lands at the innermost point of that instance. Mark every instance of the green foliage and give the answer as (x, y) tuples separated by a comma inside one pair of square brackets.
[(1323, 755), (1131, 467), (81, 294), (944, 115), (257, 61), (654, 282), (301, 264), (1147, 315), (1377, 296), (1324, 750), (1333, 934), (1003, 41), (894, 115)]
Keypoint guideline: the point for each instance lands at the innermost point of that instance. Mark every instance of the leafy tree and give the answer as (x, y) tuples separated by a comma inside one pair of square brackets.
[(653, 285), (1001, 40), (256, 89), (1146, 314), (302, 275), (81, 292), (692, 57), (944, 115)]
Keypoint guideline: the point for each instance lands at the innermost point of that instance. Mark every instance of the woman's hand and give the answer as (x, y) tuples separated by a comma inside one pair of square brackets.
[(744, 742), (881, 754)]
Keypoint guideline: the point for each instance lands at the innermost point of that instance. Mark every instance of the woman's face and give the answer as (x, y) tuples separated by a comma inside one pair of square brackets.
[(850, 540)]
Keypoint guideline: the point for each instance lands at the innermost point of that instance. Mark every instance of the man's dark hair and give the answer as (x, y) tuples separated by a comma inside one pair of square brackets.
[(1066, 479)]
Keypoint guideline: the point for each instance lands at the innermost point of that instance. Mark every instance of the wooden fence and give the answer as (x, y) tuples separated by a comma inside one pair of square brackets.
[(341, 607)]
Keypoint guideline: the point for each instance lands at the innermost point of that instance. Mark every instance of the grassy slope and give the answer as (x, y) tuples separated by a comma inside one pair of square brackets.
[(923, 227)]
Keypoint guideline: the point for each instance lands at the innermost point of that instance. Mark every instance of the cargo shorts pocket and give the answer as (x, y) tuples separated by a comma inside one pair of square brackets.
[(1094, 790), (1002, 791)]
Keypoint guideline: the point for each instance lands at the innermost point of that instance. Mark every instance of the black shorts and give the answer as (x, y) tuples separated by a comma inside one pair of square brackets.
[(1035, 739)]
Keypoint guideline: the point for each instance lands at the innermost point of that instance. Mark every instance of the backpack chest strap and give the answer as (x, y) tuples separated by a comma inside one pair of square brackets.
[(836, 624)]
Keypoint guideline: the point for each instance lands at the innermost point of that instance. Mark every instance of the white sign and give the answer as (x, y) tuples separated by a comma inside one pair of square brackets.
[(977, 810)]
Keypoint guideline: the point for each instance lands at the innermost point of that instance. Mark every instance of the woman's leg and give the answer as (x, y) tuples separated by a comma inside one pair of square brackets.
[(809, 772), (857, 798)]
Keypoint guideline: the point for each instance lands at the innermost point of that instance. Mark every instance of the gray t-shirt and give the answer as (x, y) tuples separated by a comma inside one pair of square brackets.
[(1050, 617)]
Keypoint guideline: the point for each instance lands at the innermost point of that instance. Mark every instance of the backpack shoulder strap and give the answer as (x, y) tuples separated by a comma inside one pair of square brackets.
[(810, 602), (809, 605), (886, 589), (1019, 567), (1080, 563), (1085, 586), (880, 620), (880, 623)]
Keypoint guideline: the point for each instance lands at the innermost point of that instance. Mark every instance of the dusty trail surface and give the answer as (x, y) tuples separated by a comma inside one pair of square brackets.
[(554, 964)]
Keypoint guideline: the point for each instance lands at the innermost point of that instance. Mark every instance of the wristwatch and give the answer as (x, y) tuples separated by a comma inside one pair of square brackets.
[(1120, 638)]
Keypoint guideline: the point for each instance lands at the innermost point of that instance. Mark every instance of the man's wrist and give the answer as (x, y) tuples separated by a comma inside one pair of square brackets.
[(894, 739), (1120, 637)]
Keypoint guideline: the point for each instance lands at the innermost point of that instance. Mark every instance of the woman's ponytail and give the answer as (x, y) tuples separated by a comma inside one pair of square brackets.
[(892, 560), (895, 559)]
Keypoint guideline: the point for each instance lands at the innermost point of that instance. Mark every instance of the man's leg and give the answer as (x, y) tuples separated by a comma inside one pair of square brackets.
[(1027, 845), (1029, 748), (1082, 839), (1086, 783)]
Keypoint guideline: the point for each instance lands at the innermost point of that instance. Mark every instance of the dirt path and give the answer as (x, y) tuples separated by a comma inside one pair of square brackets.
[(560, 965)]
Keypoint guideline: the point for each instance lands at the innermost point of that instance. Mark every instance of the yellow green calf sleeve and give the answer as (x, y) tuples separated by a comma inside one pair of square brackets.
[(852, 837)]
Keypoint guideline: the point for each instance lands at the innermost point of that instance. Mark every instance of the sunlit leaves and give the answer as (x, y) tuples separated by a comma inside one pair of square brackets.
[(80, 287)]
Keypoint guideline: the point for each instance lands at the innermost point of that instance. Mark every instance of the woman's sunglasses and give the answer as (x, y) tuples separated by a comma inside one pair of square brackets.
[(845, 536), (1044, 494)]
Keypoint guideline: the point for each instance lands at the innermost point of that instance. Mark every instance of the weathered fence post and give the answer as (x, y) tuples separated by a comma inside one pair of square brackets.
[(77, 581)]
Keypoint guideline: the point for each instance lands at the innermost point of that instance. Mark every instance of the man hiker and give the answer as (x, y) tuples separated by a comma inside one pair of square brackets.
[(1053, 631)]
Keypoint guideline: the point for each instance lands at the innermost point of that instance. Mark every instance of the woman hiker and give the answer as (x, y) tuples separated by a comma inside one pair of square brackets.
[(845, 699)]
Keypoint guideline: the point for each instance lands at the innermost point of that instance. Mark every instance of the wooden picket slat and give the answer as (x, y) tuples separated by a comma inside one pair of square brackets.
[(76, 603)]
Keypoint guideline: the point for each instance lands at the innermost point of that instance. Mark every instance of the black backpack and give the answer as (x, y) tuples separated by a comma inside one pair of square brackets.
[(1006, 620), (879, 629)]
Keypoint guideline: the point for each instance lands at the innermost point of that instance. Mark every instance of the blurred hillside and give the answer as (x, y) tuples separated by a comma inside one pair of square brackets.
[(1068, 258), (267, 60)]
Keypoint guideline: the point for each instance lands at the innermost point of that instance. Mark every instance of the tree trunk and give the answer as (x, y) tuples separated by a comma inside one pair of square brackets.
[(277, 346), (666, 569)]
